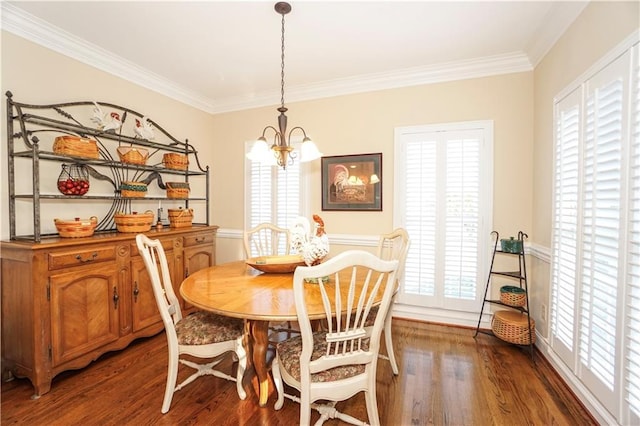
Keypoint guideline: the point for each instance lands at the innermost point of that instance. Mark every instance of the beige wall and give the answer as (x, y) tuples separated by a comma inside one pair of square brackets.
[(365, 123), (600, 27)]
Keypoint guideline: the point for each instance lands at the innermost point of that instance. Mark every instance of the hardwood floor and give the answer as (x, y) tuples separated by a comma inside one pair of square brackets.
[(446, 378)]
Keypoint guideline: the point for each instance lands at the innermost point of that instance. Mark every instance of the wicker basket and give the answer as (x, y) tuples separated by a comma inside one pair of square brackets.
[(136, 222), (75, 146), (177, 189), (180, 218), (512, 295), (133, 155), (76, 228), (175, 161), (512, 327), (130, 189)]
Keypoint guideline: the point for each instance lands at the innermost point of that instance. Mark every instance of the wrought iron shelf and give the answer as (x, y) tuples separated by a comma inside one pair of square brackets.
[(498, 302), (511, 274), (521, 276), (47, 155), (31, 133)]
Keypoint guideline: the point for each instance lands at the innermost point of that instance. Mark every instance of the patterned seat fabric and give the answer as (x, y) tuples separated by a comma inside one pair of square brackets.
[(289, 352), (203, 328)]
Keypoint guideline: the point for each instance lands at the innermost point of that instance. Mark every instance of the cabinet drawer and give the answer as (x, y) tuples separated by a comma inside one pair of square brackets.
[(167, 245), (81, 256), (196, 239)]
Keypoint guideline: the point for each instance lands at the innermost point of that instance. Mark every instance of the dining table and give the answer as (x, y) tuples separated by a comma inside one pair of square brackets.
[(237, 290)]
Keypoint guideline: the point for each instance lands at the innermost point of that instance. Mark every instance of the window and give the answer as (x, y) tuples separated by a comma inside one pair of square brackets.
[(595, 268), (443, 197), (274, 195)]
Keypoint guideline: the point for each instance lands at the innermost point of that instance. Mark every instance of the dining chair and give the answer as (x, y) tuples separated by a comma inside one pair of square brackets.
[(394, 245), (200, 334), (339, 361), (266, 239)]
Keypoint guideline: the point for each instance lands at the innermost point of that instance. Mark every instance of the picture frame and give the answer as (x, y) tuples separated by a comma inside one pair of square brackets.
[(352, 182)]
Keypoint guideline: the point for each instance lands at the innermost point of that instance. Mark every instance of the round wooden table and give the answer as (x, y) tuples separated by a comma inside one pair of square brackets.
[(237, 290)]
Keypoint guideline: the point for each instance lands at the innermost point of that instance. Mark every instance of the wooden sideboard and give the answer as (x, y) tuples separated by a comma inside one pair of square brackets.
[(66, 301)]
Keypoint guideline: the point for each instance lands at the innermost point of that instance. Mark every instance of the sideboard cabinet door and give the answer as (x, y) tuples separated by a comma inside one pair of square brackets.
[(85, 305)]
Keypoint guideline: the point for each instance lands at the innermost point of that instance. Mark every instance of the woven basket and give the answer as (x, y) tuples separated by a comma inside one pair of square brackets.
[(76, 228), (180, 218), (513, 296), (175, 161), (133, 155), (136, 222), (75, 146), (177, 189), (511, 326), (130, 189)]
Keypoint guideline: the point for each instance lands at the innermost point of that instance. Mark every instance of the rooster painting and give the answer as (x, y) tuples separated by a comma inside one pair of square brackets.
[(104, 121), (143, 129), (313, 247)]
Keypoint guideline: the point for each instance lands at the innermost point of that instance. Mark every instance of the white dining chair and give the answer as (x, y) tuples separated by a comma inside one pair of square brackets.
[(266, 239), (394, 245), (339, 361), (200, 334)]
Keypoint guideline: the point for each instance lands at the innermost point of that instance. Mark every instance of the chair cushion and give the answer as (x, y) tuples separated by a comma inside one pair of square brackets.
[(371, 318), (289, 352), (202, 328)]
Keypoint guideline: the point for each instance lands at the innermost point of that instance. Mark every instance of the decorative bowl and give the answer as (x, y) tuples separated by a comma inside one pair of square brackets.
[(276, 264)]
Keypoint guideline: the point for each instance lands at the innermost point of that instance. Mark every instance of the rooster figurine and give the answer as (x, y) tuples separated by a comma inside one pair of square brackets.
[(104, 121), (143, 129), (312, 248)]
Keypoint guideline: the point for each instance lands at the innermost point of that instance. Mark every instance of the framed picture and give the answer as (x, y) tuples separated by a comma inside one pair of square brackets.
[(352, 182)]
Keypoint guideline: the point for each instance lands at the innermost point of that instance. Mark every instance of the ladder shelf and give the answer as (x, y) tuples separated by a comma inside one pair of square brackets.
[(514, 324)]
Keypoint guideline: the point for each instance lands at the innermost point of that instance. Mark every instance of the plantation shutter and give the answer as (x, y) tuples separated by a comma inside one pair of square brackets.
[(273, 195), (259, 194), (595, 266), (439, 186), (601, 221), (565, 224), (632, 326)]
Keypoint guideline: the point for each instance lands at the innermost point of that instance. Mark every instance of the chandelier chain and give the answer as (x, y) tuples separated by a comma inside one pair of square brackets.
[(282, 64)]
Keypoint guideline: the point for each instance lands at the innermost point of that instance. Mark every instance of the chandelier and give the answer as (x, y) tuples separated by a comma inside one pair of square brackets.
[(281, 152)]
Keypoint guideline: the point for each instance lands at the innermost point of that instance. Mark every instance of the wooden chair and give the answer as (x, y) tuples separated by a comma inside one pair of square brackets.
[(340, 361), (201, 334), (266, 239), (394, 245)]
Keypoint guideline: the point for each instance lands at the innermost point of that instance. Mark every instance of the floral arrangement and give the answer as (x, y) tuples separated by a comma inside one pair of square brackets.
[(313, 246)]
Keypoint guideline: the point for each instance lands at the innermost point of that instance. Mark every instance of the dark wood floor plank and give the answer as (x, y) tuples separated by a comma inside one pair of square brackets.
[(447, 377)]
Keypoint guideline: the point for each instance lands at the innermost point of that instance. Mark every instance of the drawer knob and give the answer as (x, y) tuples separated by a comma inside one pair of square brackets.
[(93, 257)]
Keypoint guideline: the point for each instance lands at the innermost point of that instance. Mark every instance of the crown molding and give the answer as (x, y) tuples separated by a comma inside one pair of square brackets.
[(36, 30), (27, 26), (449, 71)]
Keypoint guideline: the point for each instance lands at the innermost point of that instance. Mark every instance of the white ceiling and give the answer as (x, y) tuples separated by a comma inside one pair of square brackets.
[(225, 55)]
